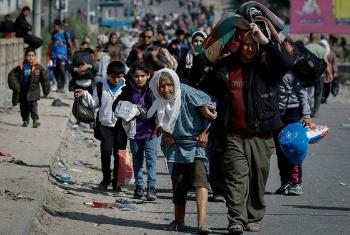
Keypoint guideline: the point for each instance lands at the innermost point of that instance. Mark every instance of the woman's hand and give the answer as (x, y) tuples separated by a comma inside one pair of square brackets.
[(208, 111), (78, 93), (202, 139)]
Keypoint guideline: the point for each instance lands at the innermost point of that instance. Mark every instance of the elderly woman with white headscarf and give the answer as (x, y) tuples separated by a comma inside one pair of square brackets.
[(191, 69), (185, 137)]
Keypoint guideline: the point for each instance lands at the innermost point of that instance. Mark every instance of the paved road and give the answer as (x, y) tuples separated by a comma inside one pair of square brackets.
[(323, 209), (325, 206)]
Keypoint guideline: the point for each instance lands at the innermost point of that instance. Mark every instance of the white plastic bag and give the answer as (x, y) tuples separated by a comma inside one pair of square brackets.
[(317, 134), (126, 110)]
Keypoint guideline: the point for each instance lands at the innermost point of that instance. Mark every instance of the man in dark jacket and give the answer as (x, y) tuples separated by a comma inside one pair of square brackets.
[(7, 27), (23, 27), (243, 84), (179, 46), (146, 52), (83, 70)]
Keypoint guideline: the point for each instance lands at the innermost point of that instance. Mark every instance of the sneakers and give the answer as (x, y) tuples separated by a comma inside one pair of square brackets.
[(117, 189), (203, 229), (177, 226), (235, 229), (253, 227), (283, 190), (295, 189), (36, 124), (138, 193), (25, 123), (151, 194), (104, 184), (290, 189)]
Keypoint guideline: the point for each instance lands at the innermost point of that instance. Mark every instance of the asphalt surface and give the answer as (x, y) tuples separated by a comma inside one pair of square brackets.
[(323, 209)]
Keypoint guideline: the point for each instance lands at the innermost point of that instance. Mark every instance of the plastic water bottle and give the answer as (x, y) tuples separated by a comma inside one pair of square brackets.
[(76, 131), (126, 207)]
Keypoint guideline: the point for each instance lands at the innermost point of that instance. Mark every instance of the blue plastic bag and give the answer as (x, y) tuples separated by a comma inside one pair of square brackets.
[(294, 142), (63, 177)]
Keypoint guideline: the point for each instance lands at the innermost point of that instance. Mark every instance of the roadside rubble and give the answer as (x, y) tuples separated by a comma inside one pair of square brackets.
[(122, 205), (72, 193), (13, 160), (7, 194)]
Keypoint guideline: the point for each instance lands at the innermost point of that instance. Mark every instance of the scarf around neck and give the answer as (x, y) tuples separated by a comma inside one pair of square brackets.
[(115, 89)]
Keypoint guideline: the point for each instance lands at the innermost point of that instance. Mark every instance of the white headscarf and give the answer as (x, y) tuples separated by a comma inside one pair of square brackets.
[(167, 110), (192, 52), (325, 44)]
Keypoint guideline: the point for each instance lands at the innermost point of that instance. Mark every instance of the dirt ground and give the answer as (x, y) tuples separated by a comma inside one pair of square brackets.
[(64, 211)]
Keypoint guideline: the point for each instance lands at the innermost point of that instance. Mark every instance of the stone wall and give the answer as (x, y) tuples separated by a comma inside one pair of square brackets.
[(11, 54)]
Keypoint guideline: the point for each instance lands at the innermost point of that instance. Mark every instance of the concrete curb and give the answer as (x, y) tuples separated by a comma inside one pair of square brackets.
[(40, 201)]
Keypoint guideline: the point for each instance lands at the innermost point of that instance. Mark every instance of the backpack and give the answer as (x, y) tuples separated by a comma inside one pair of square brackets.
[(65, 33), (66, 38), (169, 60), (308, 67), (97, 132)]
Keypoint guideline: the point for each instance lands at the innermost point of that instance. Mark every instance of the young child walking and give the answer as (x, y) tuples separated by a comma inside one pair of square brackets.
[(144, 144), (113, 136), (25, 80), (293, 102)]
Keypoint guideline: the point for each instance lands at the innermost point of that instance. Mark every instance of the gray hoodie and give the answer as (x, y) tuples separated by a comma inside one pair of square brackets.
[(289, 89)]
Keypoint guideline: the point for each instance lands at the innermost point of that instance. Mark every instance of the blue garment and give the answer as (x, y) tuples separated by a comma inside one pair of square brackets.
[(27, 76), (59, 47), (140, 149), (189, 125), (114, 88)]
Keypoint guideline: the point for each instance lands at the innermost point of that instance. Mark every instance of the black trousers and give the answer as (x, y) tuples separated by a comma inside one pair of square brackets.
[(326, 92), (60, 73), (33, 41), (28, 107), (216, 167), (318, 90), (216, 177), (288, 172), (113, 139), (332, 87)]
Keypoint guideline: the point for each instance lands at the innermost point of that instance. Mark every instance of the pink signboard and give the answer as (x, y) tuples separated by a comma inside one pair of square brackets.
[(316, 16)]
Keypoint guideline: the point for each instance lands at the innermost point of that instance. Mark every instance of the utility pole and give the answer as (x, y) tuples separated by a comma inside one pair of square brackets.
[(37, 23), (88, 14), (50, 15), (60, 9)]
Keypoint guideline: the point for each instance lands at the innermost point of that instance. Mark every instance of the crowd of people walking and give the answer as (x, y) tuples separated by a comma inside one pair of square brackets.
[(217, 123)]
